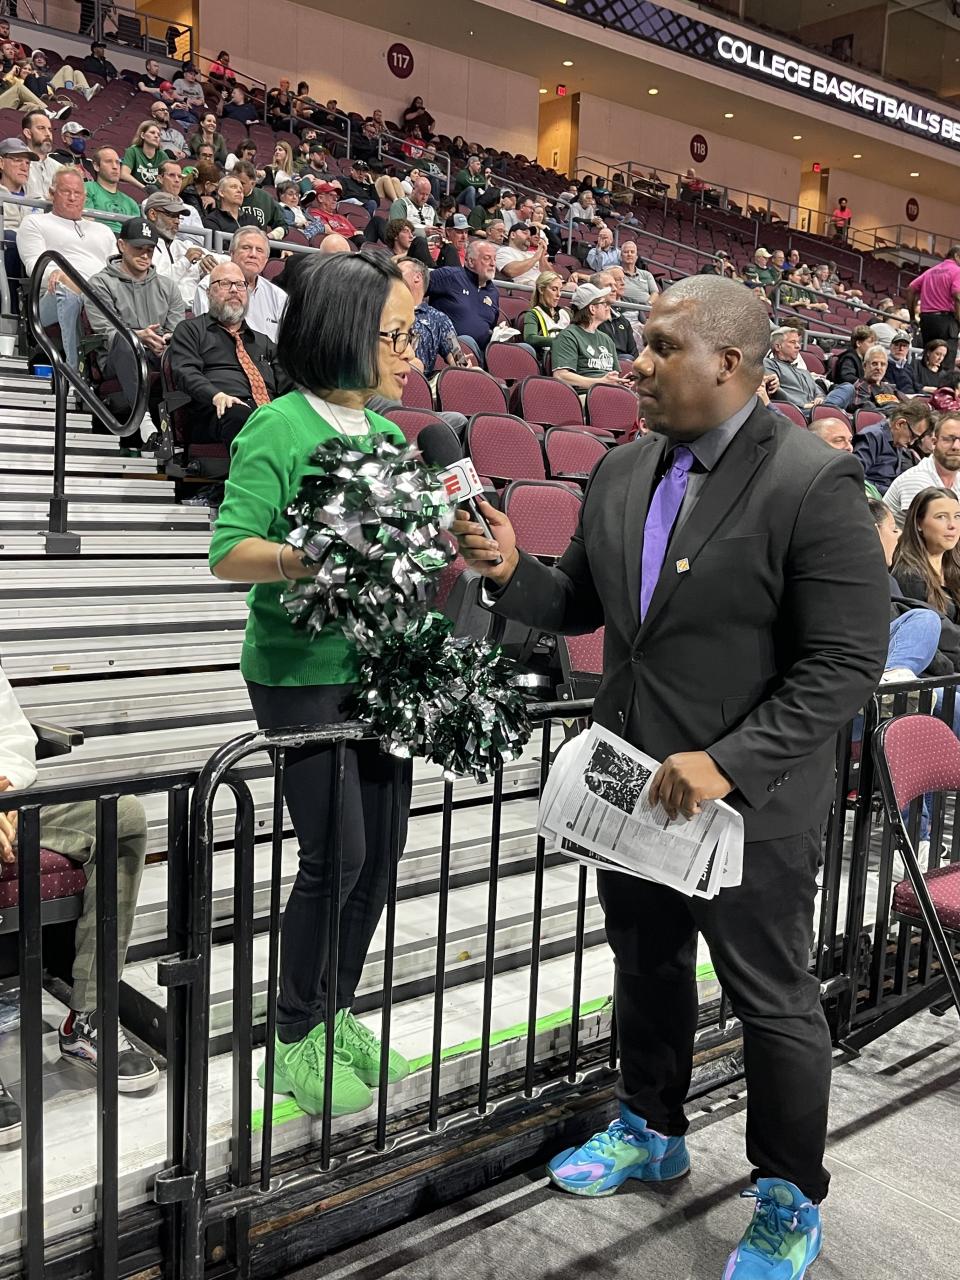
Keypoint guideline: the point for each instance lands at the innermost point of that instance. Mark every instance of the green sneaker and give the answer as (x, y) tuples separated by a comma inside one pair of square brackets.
[(363, 1048), (299, 1071)]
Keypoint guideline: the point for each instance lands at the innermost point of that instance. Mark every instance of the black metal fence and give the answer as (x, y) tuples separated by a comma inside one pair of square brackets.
[(262, 1208)]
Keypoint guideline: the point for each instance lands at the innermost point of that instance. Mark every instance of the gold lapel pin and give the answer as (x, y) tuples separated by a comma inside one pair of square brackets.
[(683, 565)]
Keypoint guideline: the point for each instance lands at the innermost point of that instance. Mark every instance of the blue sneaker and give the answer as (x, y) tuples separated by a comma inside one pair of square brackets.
[(626, 1149), (783, 1238)]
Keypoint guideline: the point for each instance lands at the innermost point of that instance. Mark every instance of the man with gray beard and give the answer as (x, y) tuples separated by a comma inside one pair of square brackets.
[(225, 367)]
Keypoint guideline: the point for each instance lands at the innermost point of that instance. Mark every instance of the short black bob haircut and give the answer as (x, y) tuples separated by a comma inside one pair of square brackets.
[(329, 335)]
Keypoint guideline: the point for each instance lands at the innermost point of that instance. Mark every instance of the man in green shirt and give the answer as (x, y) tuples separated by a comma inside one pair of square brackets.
[(469, 182), (766, 275), (580, 355), (104, 194), (259, 204)]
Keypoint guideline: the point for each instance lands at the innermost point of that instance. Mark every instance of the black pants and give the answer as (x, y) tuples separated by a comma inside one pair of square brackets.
[(368, 804), (120, 363), (759, 937), (945, 325), (209, 429)]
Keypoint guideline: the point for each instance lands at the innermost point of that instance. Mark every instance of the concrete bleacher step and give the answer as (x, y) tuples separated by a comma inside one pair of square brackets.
[(70, 1102), (418, 871), (41, 658), (415, 953), (88, 488), (90, 614), (79, 461), (39, 439), (113, 575), (41, 419), (104, 515), (30, 542)]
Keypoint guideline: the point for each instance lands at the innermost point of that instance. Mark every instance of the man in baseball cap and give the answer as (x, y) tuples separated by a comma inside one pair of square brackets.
[(147, 303), (181, 261), (581, 356), (15, 157)]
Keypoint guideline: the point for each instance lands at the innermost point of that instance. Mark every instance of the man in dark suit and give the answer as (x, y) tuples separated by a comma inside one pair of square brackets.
[(734, 565)]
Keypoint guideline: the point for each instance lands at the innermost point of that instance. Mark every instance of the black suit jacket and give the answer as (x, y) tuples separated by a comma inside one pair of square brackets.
[(768, 627)]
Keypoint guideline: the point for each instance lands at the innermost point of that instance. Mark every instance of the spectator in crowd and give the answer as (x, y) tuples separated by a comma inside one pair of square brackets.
[(453, 251), (926, 563), (797, 387), (43, 83), (766, 274), (325, 217), (872, 391), (97, 64), (929, 366), (416, 116), (840, 218), (946, 398), (19, 52), (834, 432), (796, 292), (582, 355), (72, 151), (199, 188), (885, 448), (584, 209), (848, 366), (280, 105), (15, 160), (486, 210), (16, 96), (937, 293), (603, 254), (246, 149), (259, 208), (147, 302), (358, 189), (886, 329), (239, 107), (331, 346), (546, 318), (170, 181), (538, 224), (171, 139), (288, 198), (494, 231), (229, 208), (435, 334), (207, 135), (143, 158), (103, 192), (938, 469), (86, 246), (176, 259), (190, 89), (250, 251), (508, 208), (367, 146), (901, 371), (415, 207), (469, 182), (617, 326), (71, 830), (640, 286), (468, 297), (151, 79), (224, 387), (221, 71), (399, 236), (518, 261)]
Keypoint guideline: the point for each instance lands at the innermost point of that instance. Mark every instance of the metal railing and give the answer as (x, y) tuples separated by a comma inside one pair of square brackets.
[(119, 24), (874, 970), (58, 537)]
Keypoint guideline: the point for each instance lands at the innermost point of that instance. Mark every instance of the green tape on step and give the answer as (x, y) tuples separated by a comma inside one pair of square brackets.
[(288, 1109)]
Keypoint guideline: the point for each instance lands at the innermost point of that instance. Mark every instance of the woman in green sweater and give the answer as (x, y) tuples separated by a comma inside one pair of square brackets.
[(346, 335)]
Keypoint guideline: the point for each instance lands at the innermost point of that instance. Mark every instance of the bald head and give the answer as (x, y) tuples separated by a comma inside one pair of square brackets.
[(834, 432), (727, 315), (333, 243)]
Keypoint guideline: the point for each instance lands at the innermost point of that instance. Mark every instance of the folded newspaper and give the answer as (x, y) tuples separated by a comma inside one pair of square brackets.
[(595, 807)]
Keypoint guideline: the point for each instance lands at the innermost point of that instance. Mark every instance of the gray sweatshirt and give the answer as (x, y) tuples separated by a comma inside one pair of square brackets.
[(153, 300)]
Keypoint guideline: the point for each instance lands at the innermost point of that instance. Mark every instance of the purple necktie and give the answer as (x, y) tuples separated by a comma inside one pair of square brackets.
[(664, 509)]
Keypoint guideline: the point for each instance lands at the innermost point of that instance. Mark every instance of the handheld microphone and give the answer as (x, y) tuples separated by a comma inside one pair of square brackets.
[(440, 447)]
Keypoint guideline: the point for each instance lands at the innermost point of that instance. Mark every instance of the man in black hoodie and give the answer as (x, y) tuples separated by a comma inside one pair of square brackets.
[(849, 363)]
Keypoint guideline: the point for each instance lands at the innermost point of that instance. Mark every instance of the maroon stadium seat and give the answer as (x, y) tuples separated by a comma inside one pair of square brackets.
[(504, 448), (572, 454), (412, 421), (510, 363), (612, 408), (867, 418), (788, 411), (470, 391), (544, 515), (829, 411), (416, 391), (548, 401)]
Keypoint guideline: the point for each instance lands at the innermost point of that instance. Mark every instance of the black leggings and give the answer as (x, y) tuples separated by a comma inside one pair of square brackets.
[(370, 779)]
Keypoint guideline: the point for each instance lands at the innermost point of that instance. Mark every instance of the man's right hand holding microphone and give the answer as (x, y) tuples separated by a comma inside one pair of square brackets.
[(495, 558)]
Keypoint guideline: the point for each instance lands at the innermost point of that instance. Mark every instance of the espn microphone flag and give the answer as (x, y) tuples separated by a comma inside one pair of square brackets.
[(460, 481)]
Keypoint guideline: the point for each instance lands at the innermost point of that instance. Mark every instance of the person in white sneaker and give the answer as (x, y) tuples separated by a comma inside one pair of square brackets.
[(70, 829)]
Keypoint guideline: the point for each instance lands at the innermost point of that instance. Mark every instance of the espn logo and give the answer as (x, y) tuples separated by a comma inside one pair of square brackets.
[(461, 481)]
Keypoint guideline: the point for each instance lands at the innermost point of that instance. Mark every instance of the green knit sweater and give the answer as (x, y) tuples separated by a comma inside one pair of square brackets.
[(268, 461)]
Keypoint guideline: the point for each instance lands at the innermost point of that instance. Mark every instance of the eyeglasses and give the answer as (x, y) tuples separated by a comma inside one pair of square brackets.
[(400, 339), (230, 286)]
